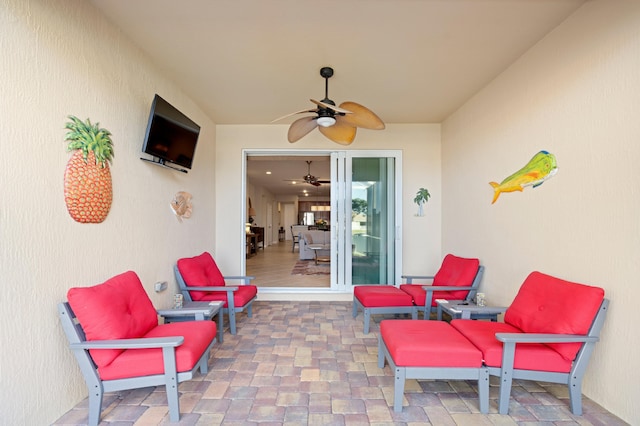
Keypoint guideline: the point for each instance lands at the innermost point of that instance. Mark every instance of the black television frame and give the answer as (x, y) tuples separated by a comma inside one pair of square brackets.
[(171, 137)]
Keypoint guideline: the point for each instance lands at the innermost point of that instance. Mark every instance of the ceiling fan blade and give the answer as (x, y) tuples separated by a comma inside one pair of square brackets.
[(341, 132), (362, 116), (294, 113), (300, 128), (329, 106)]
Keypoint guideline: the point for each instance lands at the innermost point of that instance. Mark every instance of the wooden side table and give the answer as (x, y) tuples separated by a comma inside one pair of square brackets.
[(468, 310), (198, 311)]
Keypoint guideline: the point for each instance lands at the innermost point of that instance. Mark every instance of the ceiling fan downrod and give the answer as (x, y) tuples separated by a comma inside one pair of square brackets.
[(326, 116)]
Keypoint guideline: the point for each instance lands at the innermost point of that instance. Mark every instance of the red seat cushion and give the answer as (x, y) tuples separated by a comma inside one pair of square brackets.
[(240, 297), (428, 344), (372, 296), (119, 308), (545, 304), (145, 362), (531, 356), (455, 271), (200, 271)]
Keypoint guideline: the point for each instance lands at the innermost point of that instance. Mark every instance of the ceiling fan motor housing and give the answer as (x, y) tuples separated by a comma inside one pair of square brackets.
[(326, 72)]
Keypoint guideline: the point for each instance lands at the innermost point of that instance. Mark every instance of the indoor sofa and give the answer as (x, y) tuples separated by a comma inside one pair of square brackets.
[(314, 237)]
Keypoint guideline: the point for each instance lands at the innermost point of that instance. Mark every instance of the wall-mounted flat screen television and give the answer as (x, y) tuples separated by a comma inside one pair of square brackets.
[(171, 136)]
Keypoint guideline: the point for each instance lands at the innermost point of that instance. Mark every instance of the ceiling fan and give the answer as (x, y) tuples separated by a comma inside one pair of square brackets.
[(336, 123), (311, 179)]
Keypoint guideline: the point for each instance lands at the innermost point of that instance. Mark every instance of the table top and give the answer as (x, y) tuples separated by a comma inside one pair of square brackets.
[(192, 308), (459, 306), (319, 246)]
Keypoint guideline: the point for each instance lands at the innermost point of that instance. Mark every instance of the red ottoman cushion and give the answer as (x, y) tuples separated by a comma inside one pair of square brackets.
[(373, 296), (428, 344)]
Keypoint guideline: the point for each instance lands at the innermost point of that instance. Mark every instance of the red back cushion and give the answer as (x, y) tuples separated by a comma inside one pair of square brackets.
[(457, 271), (545, 304), (200, 271), (119, 308)]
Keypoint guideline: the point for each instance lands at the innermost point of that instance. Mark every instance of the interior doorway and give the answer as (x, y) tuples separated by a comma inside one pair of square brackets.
[(279, 178)]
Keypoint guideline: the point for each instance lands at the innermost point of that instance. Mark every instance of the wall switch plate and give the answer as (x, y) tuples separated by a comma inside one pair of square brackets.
[(161, 286)]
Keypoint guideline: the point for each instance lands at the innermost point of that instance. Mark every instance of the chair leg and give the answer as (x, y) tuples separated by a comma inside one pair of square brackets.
[(355, 308), (95, 404), (575, 395), (381, 353), (483, 390), (398, 389), (250, 310), (506, 376), (232, 321), (171, 383), (367, 318)]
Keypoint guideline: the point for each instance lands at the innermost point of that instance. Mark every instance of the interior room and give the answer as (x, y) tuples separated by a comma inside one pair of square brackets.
[(469, 91)]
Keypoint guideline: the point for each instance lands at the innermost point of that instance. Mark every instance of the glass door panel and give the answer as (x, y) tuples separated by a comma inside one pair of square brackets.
[(373, 220)]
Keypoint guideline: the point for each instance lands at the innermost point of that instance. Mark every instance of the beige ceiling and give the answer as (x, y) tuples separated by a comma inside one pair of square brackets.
[(410, 61)]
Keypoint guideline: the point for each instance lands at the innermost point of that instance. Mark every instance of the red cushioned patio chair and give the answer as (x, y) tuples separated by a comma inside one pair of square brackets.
[(457, 279), (114, 334), (548, 334), (199, 279)]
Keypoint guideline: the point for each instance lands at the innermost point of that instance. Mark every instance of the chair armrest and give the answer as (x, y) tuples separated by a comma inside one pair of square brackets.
[(246, 279), (444, 288), (214, 288), (143, 343), (410, 278), (544, 338)]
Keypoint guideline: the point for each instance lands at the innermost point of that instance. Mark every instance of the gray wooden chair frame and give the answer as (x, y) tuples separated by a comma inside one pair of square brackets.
[(97, 387), (573, 379), (231, 308), (427, 309), (401, 374)]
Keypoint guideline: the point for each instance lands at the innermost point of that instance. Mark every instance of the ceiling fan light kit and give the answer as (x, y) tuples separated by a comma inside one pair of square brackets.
[(337, 123), (326, 121)]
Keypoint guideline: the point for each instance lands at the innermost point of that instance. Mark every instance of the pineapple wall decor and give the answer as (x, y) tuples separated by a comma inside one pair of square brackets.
[(88, 192)]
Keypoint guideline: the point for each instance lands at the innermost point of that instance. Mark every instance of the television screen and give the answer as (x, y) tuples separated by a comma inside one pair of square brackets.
[(171, 136)]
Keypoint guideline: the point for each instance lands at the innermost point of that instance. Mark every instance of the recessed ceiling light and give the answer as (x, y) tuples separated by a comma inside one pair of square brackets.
[(268, 172)]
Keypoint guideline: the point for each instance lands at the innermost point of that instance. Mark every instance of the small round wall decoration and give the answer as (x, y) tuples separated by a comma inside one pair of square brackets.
[(181, 205)]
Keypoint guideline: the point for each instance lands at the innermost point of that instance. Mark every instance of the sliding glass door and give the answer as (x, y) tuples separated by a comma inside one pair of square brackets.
[(368, 220)]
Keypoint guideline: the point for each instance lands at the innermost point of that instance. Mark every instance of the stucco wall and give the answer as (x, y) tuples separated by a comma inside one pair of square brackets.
[(61, 58), (577, 95)]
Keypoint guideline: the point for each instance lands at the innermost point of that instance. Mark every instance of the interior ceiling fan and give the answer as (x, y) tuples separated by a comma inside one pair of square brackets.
[(336, 123), (311, 179)]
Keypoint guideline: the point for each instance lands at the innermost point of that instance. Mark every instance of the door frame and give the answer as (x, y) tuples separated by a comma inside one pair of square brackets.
[(339, 174)]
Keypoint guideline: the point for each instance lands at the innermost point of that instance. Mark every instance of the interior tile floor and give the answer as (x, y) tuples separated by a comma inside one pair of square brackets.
[(272, 267), (309, 363)]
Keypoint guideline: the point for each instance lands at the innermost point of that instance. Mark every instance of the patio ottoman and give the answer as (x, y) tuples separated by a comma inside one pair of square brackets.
[(430, 350), (381, 299)]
